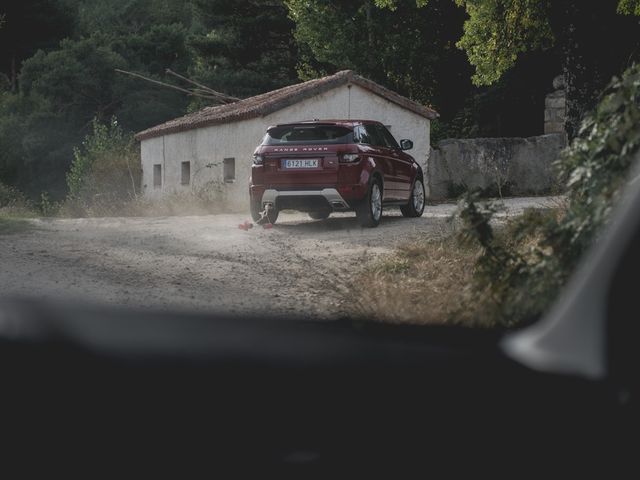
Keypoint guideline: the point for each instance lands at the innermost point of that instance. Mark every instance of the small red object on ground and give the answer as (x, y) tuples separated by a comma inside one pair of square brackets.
[(245, 226), (267, 226)]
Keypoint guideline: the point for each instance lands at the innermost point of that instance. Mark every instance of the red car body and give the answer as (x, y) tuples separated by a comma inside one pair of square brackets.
[(335, 165)]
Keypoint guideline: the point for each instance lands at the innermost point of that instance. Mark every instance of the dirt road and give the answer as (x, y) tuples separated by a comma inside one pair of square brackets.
[(300, 268)]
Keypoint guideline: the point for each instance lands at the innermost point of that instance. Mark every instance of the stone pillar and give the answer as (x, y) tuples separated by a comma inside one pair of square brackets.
[(555, 112)]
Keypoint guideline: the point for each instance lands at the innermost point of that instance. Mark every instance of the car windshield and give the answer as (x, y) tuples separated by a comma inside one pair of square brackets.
[(216, 156), (317, 134)]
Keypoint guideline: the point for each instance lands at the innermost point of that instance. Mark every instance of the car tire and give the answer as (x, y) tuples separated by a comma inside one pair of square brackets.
[(415, 207), (320, 214), (369, 212), (273, 215)]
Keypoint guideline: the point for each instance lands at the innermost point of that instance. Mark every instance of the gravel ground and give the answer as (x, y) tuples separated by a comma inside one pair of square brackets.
[(300, 267)]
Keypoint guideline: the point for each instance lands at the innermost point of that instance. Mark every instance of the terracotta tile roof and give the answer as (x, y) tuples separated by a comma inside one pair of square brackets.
[(270, 102)]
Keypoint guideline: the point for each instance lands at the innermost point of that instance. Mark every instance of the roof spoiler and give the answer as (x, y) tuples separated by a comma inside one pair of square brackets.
[(304, 124)]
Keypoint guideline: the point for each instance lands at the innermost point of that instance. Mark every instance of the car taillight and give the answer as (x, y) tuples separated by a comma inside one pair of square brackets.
[(258, 159), (349, 158)]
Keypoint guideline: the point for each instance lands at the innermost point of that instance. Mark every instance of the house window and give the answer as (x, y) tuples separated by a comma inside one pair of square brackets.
[(229, 170), (186, 173), (157, 176)]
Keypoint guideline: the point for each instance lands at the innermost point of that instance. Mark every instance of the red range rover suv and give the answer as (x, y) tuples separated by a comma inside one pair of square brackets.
[(326, 166)]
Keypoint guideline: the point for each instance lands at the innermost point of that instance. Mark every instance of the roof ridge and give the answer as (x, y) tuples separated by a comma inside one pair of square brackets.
[(269, 102)]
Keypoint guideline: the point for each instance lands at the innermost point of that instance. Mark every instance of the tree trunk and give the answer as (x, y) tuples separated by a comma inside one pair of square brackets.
[(368, 7), (566, 24)]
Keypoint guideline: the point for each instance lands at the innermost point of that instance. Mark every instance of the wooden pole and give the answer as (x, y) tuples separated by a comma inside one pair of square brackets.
[(222, 96), (168, 85)]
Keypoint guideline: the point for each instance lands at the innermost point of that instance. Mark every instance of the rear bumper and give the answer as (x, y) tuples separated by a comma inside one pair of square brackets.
[(308, 200)]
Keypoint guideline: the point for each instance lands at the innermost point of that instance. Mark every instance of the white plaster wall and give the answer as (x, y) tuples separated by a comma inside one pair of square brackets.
[(151, 152), (212, 145), (206, 147)]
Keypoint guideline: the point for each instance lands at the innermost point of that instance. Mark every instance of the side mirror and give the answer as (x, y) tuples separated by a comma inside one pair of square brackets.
[(406, 144)]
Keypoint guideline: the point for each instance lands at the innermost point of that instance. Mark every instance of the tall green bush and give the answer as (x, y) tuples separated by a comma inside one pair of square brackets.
[(105, 172)]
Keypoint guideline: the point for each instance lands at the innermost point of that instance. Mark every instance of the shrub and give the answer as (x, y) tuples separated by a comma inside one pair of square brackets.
[(105, 173), (517, 273), (46, 207), (596, 165), (14, 203), (521, 270), (11, 197)]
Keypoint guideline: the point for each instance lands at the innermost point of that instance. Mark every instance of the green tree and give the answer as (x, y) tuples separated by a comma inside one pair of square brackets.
[(244, 47), (123, 17), (410, 50), (64, 86), (78, 78), (150, 36), (594, 40), (36, 144), (14, 113), (629, 7), (151, 52), (497, 32), (28, 27)]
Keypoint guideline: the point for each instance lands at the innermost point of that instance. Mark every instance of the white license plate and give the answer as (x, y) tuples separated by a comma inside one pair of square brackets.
[(312, 163)]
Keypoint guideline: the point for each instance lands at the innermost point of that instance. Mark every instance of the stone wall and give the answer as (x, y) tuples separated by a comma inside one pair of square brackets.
[(507, 166)]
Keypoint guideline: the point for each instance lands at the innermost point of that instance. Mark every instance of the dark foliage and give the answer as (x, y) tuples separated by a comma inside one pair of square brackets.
[(595, 43), (29, 26), (244, 47)]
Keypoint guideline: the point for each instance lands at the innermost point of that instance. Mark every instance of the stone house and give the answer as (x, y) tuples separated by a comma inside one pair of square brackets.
[(213, 148)]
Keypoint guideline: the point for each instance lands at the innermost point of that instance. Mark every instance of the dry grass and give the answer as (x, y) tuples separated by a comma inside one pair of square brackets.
[(427, 282), (168, 205), (432, 281)]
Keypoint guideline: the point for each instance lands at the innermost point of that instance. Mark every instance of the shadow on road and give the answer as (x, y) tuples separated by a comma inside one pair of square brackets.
[(331, 224)]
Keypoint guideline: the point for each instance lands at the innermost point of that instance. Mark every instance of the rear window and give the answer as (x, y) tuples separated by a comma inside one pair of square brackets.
[(301, 134)]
